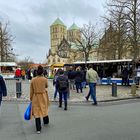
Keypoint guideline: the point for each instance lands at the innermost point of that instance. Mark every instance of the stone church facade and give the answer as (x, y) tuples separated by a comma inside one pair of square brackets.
[(63, 43)]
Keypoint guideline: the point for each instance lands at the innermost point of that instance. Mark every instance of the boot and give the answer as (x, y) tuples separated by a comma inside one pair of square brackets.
[(46, 120), (65, 108), (60, 103)]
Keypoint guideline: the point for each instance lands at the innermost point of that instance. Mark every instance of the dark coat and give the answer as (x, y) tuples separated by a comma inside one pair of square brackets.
[(3, 89), (62, 77), (78, 77), (71, 74)]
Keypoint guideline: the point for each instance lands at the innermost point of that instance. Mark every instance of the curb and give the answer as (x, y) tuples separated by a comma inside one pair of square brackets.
[(76, 102)]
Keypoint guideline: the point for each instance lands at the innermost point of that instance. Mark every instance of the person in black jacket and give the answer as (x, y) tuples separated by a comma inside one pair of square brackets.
[(3, 89), (71, 77), (125, 74), (78, 80), (62, 85)]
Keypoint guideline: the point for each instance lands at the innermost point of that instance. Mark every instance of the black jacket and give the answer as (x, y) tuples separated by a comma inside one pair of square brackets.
[(3, 89), (59, 79)]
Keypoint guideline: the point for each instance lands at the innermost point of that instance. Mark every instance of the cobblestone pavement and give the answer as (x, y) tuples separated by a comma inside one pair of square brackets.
[(103, 92)]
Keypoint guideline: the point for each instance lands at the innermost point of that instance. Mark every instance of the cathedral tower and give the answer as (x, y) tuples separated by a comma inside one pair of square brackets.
[(73, 33), (57, 32)]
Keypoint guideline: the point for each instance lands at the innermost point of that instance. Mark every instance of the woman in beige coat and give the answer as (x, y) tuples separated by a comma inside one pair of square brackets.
[(39, 98)]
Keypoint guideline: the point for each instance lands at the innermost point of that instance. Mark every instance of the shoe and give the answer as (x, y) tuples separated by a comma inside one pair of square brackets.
[(60, 106), (94, 104), (86, 98), (65, 108), (38, 132)]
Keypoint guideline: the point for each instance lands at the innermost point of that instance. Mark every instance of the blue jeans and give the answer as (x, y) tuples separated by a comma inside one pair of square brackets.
[(55, 92), (92, 91), (84, 84), (63, 94), (78, 86)]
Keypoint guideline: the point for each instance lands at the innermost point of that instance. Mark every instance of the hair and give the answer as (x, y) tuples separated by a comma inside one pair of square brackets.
[(61, 72), (90, 66), (57, 72), (40, 70)]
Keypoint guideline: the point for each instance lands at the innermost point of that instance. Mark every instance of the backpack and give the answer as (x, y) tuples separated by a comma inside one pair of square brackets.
[(63, 83)]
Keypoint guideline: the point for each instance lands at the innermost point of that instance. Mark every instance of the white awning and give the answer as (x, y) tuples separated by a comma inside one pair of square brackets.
[(10, 64)]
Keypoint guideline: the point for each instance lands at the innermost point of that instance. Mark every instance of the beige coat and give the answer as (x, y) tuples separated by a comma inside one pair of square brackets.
[(39, 96)]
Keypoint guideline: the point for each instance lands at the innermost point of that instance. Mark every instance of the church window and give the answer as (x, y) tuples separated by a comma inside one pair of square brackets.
[(58, 59), (55, 29), (53, 60)]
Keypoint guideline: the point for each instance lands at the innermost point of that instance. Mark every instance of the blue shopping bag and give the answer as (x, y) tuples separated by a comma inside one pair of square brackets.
[(27, 114)]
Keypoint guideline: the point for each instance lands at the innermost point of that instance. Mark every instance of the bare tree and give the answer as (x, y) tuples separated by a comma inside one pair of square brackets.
[(88, 40), (25, 64), (117, 20), (131, 15), (133, 21), (6, 50)]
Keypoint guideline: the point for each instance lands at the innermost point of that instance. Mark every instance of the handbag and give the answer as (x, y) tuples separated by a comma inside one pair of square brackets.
[(27, 114)]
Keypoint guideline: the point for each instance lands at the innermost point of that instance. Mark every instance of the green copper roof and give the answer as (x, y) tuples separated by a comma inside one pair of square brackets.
[(74, 27), (58, 22)]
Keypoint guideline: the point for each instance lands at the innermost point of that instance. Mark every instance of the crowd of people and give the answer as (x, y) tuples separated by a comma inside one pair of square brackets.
[(62, 82), (28, 73)]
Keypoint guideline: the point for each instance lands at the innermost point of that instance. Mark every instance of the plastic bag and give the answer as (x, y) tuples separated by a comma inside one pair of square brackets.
[(27, 114)]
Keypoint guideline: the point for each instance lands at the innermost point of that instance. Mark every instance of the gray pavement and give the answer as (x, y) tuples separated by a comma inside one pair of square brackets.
[(117, 120), (108, 121), (104, 92)]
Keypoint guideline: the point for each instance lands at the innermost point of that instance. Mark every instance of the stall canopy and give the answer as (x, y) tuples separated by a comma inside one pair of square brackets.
[(10, 64)]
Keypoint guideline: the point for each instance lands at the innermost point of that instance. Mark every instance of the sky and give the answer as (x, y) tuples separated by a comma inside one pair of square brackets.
[(30, 20)]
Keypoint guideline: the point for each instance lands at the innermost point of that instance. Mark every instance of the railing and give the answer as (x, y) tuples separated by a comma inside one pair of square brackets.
[(17, 87)]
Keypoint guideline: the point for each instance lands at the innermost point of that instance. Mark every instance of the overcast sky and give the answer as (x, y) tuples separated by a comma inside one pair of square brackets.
[(30, 21)]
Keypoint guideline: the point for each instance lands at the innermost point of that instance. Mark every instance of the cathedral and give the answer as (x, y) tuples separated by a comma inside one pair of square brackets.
[(63, 43)]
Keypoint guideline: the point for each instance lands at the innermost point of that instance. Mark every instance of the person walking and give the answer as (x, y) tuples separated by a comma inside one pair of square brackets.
[(54, 83), (125, 75), (62, 86), (92, 78), (78, 80), (39, 98), (71, 77), (3, 89)]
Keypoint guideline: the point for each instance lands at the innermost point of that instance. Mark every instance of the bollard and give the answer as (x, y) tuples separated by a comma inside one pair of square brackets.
[(133, 89), (114, 89), (18, 88)]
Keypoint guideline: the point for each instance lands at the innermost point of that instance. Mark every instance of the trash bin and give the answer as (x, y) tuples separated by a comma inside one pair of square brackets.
[(114, 89), (18, 88)]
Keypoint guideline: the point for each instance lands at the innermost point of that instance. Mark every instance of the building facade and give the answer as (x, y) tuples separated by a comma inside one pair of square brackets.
[(63, 42), (111, 49)]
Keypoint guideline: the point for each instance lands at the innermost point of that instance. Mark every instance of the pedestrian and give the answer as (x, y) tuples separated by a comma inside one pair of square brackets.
[(109, 75), (84, 78), (39, 98), (54, 83), (125, 75), (3, 89), (71, 77), (23, 74), (78, 80), (62, 86), (92, 78)]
